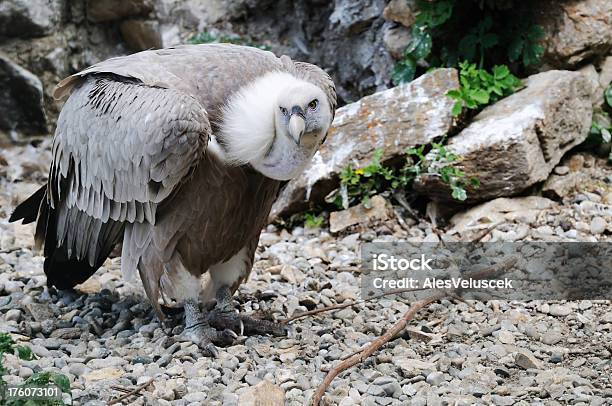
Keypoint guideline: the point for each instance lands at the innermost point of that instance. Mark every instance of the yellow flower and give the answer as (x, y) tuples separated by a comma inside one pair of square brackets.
[(360, 171)]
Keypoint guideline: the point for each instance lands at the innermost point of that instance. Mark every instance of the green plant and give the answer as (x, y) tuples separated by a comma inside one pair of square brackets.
[(524, 45), (479, 87), (312, 220), (7, 345), (441, 165), (486, 32), (359, 185), (600, 134), (431, 15), (206, 37)]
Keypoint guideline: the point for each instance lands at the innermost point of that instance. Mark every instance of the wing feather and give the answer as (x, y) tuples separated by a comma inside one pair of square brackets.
[(120, 149), (126, 147)]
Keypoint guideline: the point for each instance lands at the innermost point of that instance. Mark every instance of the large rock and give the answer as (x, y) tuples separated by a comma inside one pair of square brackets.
[(21, 99), (354, 16), (605, 75), (401, 11), (516, 142), (28, 18), (111, 10), (378, 210), (393, 120), (396, 40), (575, 30), (140, 35)]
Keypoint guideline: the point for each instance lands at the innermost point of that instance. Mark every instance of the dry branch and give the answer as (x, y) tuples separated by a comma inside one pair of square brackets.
[(131, 392), (360, 356), (374, 345)]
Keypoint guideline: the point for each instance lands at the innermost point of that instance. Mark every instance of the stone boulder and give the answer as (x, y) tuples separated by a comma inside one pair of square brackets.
[(393, 120), (31, 18), (140, 35), (575, 30), (396, 40), (401, 11), (112, 10), (21, 99), (517, 142), (378, 210)]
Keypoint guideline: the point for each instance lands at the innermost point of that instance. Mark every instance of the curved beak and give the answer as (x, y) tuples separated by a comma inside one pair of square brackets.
[(296, 125)]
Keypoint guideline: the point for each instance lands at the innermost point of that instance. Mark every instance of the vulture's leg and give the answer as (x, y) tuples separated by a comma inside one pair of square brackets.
[(225, 316), (186, 287), (224, 280), (198, 331)]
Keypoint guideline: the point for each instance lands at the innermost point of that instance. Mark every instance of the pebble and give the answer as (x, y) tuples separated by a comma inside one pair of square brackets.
[(505, 337), (526, 361), (551, 337), (598, 225), (435, 378), (559, 310), (13, 315)]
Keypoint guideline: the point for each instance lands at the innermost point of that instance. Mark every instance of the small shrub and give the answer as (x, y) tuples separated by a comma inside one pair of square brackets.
[(7, 345), (486, 32), (479, 87), (600, 134), (359, 185), (441, 165), (312, 220)]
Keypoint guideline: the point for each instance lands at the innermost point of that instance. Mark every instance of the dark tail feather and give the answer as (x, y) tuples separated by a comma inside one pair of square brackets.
[(28, 210), (64, 273)]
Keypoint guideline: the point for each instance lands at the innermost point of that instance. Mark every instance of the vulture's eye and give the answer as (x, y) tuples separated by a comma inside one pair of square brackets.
[(284, 111), (313, 104)]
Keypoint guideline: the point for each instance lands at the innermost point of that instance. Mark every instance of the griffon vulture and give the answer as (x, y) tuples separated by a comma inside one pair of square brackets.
[(178, 153)]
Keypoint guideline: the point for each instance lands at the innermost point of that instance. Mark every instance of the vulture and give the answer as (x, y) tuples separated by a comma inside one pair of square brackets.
[(178, 154)]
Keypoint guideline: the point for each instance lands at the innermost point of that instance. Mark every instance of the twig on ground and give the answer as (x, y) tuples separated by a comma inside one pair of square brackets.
[(131, 392), (9, 250), (360, 356), (374, 345), (502, 267), (347, 304)]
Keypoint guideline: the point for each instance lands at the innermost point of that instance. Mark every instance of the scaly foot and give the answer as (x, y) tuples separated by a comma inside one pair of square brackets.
[(224, 317), (198, 330)]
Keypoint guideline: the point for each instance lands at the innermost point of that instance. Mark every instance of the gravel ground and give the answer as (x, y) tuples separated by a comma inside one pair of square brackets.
[(498, 352)]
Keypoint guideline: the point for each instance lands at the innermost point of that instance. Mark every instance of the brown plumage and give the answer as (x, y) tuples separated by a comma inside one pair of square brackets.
[(132, 163)]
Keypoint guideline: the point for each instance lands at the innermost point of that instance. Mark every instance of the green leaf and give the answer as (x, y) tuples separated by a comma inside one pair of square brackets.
[(420, 44), (489, 40), (480, 95), (6, 343), (457, 107), (515, 49), (535, 33), (404, 71), (25, 353), (458, 193), (605, 135), (62, 381), (467, 47), (454, 94), (608, 95), (475, 182)]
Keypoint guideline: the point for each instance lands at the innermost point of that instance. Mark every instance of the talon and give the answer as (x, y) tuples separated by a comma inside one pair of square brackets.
[(210, 350)]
